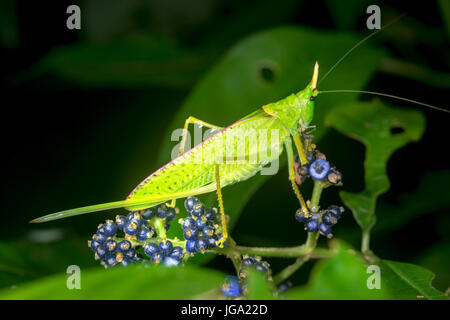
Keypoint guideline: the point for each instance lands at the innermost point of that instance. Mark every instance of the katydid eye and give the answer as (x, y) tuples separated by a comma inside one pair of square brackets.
[(311, 98)]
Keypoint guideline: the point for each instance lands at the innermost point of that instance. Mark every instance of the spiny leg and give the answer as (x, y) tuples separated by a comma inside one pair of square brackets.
[(191, 120), (300, 149), (290, 155), (221, 241)]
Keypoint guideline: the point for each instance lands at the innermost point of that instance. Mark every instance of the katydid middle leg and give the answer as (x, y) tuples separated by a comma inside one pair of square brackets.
[(290, 155)]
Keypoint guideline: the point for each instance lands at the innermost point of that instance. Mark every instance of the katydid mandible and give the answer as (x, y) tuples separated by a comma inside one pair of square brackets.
[(180, 179)]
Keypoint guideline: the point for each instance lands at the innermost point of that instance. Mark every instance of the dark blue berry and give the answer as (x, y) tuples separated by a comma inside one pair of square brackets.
[(190, 202), (150, 249), (134, 216), (131, 254), (188, 223), (335, 210), (247, 262), (334, 177), (149, 213), (200, 224), (208, 231), (177, 250), (324, 228), (95, 244), (131, 228), (190, 246), (201, 244), (177, 253), (100, 237), (124, 246), (111, 245), (121, 221), (210, 214), (211, 242), (300, 216), (319, 169), (109, 228), (311, 225), (101, 252), (198, 210), (167, 225), (101, 229), (166, 247), (190, 234), (171, 214), (144, 234), (329, 218), (161, 211), (231, 287), (110, 260), (125, 261), (283, 287), (157, 257)]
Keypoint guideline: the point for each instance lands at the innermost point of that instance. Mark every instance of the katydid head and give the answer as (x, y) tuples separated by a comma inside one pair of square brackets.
[(306, 99), (297, 110)]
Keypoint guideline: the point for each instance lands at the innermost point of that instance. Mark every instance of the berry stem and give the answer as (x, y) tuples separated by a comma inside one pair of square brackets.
[(311, 241), (289, 270), (158, 224), (365, 241), (275, 252)]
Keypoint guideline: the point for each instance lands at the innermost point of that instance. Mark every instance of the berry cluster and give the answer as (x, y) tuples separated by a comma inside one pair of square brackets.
[(236, 286), (321, 221), (117, 242), (164, 253), (318, 168), (200, 232), (108, 250)]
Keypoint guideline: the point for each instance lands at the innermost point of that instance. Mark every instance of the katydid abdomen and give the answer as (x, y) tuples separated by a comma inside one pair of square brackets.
[(240, 150)]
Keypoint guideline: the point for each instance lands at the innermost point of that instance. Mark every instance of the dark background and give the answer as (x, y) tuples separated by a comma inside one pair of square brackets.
[(68, 144)]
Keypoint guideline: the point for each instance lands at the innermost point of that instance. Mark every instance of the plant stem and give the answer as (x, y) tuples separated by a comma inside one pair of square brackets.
[(311, 241), (289, 270), (365, 241)]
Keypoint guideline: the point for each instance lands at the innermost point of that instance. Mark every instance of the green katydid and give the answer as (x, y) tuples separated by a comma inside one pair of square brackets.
[(180, 178)]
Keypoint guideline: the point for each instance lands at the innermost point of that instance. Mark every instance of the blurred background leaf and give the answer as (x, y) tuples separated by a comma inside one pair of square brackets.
[(134, 282)]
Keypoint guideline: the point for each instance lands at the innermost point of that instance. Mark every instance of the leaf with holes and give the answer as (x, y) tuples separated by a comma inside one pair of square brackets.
[(409, 281), (375, 125)]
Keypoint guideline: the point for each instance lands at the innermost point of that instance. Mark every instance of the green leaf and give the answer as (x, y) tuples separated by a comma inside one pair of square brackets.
[(345, 14), (342, 277), (408, 281), (445, 11), (134, 282), (129, 62), (259, 288), (371, 124), (235, 87)]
